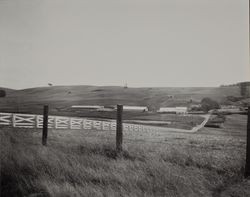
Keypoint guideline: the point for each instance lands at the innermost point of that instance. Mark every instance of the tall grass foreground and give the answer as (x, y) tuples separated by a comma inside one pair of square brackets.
[(73, 165)]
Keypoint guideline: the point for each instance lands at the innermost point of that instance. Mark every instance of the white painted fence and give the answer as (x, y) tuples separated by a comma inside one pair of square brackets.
[(62, 122)]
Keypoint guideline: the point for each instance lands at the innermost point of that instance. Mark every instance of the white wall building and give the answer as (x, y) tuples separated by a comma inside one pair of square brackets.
[(176, 110), (135, 108)]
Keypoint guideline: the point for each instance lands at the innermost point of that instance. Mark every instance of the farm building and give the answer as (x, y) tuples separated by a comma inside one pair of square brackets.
[(174, 110), (195, 105), (135, 108), (229, 107), (93, 107)]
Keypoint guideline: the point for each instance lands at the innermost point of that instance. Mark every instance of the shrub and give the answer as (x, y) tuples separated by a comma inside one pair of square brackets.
[(2, 93)]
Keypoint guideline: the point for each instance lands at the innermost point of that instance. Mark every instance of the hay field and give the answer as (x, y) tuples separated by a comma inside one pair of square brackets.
[(80, 163)]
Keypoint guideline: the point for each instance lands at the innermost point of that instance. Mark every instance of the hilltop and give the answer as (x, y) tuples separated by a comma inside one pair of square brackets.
[(64, 96)]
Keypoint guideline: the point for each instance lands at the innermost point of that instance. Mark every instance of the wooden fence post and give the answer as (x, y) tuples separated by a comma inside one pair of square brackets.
[(247, 167), (119, 128), (45, 124), (14, 120)]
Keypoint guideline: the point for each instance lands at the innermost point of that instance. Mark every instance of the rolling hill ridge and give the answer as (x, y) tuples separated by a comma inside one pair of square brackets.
[(66, 96)]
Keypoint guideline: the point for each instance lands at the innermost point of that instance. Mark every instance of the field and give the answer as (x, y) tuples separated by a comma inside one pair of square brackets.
[(77, 163)]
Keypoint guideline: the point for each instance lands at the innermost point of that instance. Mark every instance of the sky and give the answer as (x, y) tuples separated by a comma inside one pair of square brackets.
[(144, 43)]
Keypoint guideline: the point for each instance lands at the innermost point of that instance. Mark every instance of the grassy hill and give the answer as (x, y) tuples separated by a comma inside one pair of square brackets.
[(61, 97)]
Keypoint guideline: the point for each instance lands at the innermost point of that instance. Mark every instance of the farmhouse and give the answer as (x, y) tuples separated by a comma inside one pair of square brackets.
[(174, 110), (135, 108), (195, 106), (229, 107)]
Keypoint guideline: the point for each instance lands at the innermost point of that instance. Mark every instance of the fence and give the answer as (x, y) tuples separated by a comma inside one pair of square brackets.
[(62, 122)]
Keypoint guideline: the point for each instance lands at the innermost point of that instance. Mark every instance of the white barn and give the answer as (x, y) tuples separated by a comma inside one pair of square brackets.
[(176, 110), (135, 108)]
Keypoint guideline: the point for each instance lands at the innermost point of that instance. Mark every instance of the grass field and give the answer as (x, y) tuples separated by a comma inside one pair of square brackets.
[(80, 163)]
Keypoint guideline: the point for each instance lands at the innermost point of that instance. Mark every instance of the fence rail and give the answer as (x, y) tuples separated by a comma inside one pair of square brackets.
[(62, 122)]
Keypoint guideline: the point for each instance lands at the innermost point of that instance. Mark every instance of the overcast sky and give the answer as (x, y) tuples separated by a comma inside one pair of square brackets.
[(110, 42)]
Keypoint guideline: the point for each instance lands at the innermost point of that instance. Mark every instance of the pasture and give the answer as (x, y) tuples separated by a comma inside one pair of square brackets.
[(85, 163)]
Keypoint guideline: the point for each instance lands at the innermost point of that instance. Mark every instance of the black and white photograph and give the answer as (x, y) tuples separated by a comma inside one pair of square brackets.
[(124, 98)]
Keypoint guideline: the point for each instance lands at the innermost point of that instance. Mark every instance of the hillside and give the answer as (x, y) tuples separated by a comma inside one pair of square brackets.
[(60, 97)]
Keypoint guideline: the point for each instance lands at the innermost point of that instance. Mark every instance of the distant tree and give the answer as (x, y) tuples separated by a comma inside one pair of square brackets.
[(2, 93), (208, 104)]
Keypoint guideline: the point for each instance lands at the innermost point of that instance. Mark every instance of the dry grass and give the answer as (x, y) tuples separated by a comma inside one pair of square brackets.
[(78, 163)]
